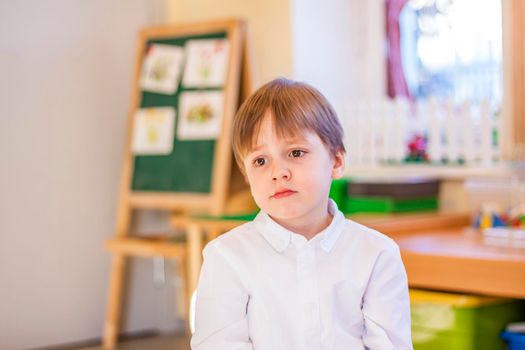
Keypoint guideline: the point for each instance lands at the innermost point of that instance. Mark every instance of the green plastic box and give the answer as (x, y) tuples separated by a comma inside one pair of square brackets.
[(447, 321), (389, 205), (338, 192), (351, 204)]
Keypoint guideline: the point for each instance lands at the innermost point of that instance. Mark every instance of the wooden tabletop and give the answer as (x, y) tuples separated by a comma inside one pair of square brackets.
[(439, 251), (386, 223), (464, 260)]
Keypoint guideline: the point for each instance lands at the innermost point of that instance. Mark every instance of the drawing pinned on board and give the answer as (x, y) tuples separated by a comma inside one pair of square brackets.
[(200, 115), (153, 131), (162, 69), (206, 63)]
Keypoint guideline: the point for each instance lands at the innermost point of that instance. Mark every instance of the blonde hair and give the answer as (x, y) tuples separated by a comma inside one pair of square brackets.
[(294, 108)]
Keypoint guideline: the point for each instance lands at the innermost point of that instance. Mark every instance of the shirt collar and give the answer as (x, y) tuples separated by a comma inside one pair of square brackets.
[(280, 238)]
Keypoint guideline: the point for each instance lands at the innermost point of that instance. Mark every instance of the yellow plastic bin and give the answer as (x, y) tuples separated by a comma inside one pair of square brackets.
[(460, 322)]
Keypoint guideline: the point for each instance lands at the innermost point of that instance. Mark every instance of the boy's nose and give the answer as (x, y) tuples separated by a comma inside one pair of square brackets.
[(281, 173)]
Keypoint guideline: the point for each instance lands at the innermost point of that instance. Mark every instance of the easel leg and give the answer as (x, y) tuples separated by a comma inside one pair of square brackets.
[(194, 236), (182, 303), (214, 234), (111, 326)]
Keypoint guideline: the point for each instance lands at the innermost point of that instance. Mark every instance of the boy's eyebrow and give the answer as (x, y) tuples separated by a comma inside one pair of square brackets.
[(295, 139), (292, 140), (254, 149)]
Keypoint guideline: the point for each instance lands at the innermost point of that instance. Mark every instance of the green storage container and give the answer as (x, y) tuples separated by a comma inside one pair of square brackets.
[(447, 321), (389, 205), (400, 188), (338, 192)]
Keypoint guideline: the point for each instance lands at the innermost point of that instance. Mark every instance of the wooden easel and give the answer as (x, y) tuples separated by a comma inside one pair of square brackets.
[(226, 181)]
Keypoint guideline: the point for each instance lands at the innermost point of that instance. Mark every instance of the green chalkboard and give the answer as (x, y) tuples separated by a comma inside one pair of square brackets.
[(189, 167), (197, 173)]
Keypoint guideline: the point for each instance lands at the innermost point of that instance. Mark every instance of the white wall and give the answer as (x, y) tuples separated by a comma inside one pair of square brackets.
[(269, 26), (65, 72), (338, 46)]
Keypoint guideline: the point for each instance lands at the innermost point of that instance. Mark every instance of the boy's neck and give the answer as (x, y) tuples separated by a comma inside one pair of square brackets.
[(308, 227)]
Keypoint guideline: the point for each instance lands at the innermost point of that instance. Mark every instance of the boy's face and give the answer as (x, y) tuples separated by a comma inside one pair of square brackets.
[(290, 178)]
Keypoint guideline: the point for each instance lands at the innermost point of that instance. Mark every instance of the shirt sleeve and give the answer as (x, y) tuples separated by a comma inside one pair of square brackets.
[(386, 304), (220, 307)]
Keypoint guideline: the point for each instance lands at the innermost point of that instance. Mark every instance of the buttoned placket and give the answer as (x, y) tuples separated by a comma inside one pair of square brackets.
[(309, 293)]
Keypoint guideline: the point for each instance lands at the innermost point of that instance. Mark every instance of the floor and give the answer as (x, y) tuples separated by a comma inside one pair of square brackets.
[(165, 342)]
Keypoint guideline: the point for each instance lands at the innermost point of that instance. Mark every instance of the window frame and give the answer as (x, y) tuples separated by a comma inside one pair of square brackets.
[(514, 75)]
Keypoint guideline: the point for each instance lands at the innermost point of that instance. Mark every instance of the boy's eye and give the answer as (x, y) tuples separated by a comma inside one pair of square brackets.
[(259, 162), (296, 153)]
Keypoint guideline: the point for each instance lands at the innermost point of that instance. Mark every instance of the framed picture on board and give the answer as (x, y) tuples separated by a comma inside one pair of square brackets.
[(201, 115), (207, 63), (162, 68)]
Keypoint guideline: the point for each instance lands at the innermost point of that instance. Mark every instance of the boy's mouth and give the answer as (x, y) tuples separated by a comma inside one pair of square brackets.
[(283, 193)]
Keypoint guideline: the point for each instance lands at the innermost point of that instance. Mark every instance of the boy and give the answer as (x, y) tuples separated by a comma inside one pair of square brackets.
[(300, 276)]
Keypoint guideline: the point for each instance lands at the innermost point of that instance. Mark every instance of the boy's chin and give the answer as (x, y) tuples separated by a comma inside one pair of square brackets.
[(283, 214)]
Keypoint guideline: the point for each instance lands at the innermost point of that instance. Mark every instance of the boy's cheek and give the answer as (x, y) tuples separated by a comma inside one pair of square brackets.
[(255, 185), (257, 197)]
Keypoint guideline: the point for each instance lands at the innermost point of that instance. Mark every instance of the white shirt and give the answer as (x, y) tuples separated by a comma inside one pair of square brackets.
[(263, 287)]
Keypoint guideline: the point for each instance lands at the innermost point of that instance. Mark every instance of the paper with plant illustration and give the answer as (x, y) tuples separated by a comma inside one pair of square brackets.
[(162, 69), (206, 63), (200, 115), (153, 131)]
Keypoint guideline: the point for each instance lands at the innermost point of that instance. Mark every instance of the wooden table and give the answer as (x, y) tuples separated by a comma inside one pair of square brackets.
[(462, 259), (438, 251)]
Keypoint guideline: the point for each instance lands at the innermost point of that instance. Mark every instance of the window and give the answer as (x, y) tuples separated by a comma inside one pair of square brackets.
[(452, 49), (459, 49)]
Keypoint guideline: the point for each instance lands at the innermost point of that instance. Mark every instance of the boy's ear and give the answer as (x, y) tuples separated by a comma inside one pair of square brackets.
[(338, 169)]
